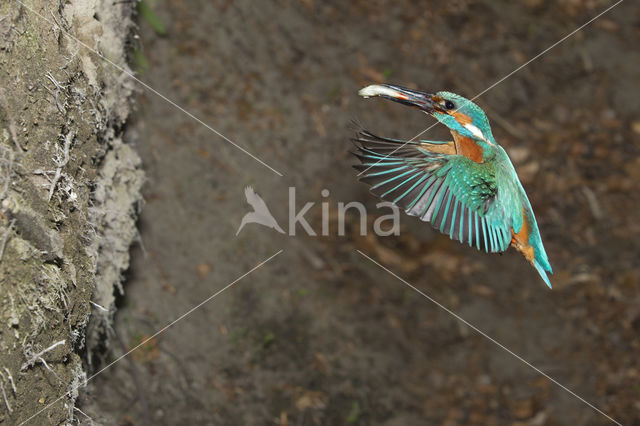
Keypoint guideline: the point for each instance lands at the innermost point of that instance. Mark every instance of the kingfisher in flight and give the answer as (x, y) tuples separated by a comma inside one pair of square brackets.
[(466, 188)]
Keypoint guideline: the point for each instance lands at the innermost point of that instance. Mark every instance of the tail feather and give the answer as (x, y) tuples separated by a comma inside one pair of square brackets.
[(543, 273)]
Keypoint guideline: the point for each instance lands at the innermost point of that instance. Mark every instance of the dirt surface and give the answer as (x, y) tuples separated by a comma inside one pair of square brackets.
[(66, 181), (320, 334)]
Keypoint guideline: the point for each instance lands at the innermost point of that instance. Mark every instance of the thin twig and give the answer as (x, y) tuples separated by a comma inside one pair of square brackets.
[(61, 162), (5, 237), (6, 163), (38, 357), (59, 88), (13, 385), (70, 58), (49, 368), (12, 124), (592, 201), (56, 27), (102, 308), (4, 396)]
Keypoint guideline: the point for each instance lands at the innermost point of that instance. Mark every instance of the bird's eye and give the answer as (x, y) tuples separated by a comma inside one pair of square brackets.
[(449, 105)]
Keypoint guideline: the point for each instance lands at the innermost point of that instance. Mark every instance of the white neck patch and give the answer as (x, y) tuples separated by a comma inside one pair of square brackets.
[(476, 132)]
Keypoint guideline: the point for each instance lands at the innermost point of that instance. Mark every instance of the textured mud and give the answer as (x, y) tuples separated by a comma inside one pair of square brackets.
[(68, 193), (321, 335)]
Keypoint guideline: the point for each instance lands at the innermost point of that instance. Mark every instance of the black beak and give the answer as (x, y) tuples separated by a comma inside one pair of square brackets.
[(425, 101)]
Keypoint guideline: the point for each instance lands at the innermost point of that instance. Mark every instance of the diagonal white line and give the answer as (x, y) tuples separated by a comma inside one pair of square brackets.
[(506, 76), (547, 49), (149, 88), (162, 330), (482, 333)]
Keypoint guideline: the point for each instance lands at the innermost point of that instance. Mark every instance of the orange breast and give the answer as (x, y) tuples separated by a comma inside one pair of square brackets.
[(468, 147)]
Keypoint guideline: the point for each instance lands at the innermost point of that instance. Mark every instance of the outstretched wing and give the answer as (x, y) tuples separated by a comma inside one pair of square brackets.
[(455, 194)]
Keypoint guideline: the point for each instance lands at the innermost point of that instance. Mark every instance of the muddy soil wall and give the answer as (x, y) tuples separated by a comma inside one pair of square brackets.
[(69, 195)]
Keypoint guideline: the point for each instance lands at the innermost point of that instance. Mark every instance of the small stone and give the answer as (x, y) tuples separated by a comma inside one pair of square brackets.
[(203, 270)]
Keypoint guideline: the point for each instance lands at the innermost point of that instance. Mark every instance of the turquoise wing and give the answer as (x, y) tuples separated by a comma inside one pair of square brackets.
[(459, 197)]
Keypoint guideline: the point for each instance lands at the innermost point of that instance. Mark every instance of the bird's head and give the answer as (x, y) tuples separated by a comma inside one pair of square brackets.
[(457, 113)]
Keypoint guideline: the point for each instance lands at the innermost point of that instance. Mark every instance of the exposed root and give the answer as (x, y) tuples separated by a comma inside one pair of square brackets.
[(13, 385), (4, 393), (61, 162), (56, 94), (4, 396), (32, 359), (102, 308), (5, 238), (6, 169), (12, 124), (44, 363)]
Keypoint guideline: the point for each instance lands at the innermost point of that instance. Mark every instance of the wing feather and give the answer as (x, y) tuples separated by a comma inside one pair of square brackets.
[(451, 192)]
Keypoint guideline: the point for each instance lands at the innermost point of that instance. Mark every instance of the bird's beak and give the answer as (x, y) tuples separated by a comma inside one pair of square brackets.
[(424, 101)]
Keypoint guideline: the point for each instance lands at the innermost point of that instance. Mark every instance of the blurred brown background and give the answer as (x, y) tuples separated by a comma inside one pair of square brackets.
[(320, 335)]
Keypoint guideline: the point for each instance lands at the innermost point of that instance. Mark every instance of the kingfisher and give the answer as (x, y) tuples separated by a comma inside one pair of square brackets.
[(467, 188)]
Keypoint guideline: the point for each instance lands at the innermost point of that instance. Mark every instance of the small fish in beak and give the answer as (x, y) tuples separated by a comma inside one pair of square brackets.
[(424, 101)]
